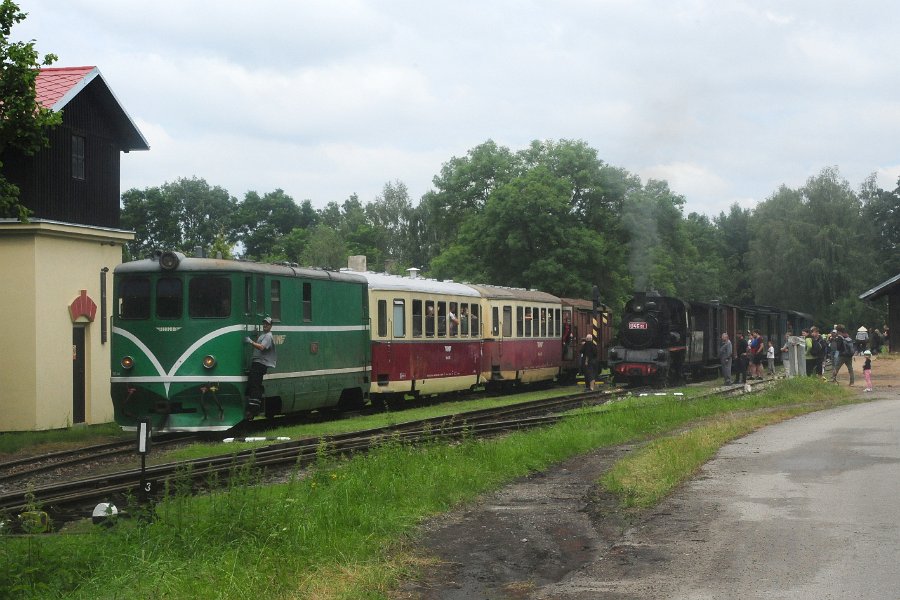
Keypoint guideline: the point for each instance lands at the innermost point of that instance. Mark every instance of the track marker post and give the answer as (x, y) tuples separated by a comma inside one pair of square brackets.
[(144, 433)]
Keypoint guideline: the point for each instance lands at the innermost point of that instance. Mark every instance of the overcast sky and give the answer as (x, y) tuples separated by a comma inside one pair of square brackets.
[(726, 100)]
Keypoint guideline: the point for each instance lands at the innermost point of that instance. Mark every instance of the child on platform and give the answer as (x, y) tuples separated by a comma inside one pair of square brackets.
[(867, 370)]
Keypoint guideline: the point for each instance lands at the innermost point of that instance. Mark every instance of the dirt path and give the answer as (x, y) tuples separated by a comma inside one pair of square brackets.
[(549, 525)]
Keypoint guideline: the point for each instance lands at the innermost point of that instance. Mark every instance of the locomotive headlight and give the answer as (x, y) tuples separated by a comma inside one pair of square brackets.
[(209, 361), (168, 261), (127, 362)]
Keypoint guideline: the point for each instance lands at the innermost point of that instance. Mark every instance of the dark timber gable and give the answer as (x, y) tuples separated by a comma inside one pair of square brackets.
[(89, 194)]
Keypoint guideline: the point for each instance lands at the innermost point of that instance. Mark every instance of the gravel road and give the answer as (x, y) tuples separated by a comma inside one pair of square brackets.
[(808, 508)]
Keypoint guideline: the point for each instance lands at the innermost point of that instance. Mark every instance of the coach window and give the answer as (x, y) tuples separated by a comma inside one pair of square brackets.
[(275, 299), (453, 319), (473, 314), (134, 298), (507, 321), (495, 321), (557, 326), (307, 302), (399, 318), (168, 298), (429, 318), (382, 318), (464, 319), (528, 321), (442, 318), (209, 298), (543, 322), (417, 318)]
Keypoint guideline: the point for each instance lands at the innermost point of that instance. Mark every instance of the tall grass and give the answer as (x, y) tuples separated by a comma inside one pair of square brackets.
[(47, 441), (341, 530)]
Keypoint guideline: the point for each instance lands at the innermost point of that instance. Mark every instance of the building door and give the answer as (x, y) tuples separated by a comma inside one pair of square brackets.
[(78, 375)]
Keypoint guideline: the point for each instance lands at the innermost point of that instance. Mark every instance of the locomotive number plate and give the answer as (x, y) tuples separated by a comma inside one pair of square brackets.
[(637, 325)]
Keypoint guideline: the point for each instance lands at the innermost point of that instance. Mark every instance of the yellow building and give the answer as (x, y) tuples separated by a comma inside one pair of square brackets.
[(54, 303)]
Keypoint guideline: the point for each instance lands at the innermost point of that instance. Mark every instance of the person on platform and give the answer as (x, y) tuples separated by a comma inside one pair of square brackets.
[(589, 362), (725, 349)]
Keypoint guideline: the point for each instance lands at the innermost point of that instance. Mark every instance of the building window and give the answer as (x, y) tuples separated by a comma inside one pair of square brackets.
[(77, 157)]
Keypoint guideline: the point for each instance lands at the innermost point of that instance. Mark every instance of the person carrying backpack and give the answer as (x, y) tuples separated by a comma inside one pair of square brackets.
[(819, 348), (846, 350)]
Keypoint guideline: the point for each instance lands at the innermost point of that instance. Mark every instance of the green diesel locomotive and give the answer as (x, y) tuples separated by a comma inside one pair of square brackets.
[(178, 353)]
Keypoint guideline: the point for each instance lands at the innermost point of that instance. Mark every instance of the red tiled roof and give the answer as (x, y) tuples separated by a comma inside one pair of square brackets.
[(55, 87), (61, 84)]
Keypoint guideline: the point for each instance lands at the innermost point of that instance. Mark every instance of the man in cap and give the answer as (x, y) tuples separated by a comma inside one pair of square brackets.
[(264, 357)]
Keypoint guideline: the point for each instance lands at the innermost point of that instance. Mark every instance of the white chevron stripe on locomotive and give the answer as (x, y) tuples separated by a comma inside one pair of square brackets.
[(167, 378)]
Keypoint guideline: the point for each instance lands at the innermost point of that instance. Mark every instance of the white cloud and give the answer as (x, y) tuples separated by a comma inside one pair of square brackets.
[(726, 100)]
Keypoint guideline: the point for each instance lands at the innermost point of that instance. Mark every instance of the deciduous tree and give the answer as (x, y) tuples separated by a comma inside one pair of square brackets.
[(23, 123)]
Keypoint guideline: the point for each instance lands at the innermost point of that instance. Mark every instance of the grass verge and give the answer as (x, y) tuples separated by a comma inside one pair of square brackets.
[(341, 530), (58, 439)]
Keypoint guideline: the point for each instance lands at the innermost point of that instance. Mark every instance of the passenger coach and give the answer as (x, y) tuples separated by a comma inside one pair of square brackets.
[(522, 338), (426, 336)]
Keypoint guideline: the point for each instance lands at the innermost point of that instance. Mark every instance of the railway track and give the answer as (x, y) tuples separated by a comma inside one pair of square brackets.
[(30, 466), (74, 499), (66, 499)]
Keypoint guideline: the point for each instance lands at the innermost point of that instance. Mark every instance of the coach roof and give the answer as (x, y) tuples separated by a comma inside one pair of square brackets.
[(382, 281), (212, 265), (499, 293)]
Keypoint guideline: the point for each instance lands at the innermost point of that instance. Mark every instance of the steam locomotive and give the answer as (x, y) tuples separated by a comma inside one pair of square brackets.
[(666, 340)]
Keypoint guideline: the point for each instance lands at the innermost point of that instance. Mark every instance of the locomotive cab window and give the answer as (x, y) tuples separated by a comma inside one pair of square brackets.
[(168, 298), (134, 298), (209, 298)]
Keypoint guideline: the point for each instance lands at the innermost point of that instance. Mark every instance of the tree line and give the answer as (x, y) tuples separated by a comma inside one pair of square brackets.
[(556, 217)]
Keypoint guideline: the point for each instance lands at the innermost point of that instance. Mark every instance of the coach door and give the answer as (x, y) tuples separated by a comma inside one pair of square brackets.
[(568, 333)]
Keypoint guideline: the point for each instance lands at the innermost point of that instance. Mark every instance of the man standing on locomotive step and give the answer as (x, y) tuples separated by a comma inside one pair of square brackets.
[(725, 358), (264, 357)]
